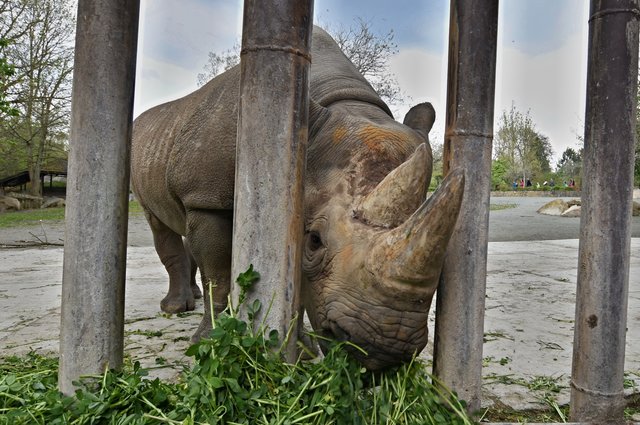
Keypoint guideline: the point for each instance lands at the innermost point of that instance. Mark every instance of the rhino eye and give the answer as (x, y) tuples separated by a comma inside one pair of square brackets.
[(315, 241)]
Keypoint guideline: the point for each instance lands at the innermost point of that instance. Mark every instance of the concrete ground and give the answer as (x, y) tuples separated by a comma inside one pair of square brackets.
[(531, 284)]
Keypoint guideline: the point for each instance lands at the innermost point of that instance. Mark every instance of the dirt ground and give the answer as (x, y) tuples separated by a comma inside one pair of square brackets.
[(531, 282)]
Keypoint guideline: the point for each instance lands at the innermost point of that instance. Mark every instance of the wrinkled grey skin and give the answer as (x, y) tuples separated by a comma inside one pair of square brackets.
[(373, 248)]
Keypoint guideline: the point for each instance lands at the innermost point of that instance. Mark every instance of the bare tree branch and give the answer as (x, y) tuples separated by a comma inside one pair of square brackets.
[(370, 53), (41, 52)]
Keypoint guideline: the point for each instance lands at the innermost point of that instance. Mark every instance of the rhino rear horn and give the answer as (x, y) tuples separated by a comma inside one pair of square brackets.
[(413, 253), (400, 193)]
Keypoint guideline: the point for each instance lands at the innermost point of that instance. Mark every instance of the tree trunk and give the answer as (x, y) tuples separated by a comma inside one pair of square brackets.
[(34, 175)]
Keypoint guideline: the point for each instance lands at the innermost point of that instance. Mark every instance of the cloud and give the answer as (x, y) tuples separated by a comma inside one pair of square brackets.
[(187, 30), (552, 86), (422, 76), (540, 68), (158, 82), (173, 45), (535, 27)]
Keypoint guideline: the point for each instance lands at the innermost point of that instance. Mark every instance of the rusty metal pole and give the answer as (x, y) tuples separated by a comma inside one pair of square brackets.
[(271, 155), (468, 141), (92, 323), (605, 224)]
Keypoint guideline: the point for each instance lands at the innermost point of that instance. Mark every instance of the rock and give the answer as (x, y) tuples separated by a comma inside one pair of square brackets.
[(53, 203), (28, 201), (9, 203), (572, 211), (555, 207)]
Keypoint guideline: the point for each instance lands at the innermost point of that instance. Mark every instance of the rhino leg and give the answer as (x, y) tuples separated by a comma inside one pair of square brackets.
[(175, 258), (195, 289), (209, 237)]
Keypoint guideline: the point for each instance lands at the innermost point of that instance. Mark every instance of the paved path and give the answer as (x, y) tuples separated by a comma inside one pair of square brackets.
[(523, 223)]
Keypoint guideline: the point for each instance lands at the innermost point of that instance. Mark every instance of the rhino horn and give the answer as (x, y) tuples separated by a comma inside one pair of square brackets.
[(413, 252), (400, 193)]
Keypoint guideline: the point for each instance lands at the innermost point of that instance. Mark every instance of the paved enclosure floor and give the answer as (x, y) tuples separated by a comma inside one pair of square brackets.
[(529, 306)]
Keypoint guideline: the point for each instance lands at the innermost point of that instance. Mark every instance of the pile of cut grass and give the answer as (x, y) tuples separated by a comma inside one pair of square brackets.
[(238, 377)]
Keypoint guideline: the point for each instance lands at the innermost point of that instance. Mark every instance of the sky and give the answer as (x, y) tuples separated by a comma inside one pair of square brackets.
[(540, 69)]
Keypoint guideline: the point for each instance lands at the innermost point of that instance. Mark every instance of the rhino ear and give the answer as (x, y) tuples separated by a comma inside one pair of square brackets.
[(421, 117)]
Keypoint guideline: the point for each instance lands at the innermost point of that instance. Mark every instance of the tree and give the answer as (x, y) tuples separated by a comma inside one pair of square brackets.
[(437, 153), (499, 171), (525, 152), (570, 164), (42, 54), (10, 13), (6, 72), (217, 63), (370, 53)]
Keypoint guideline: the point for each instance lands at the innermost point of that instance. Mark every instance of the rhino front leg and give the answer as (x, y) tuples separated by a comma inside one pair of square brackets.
[(209, 236), (175, 258)]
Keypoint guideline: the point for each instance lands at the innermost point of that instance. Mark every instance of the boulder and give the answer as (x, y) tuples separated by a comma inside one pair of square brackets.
[(9, 203), (28, 201), (555, 207), (53, 202), (572, 211), (571, 208)]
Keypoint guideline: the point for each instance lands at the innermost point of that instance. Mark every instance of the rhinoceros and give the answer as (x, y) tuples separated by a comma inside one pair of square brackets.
[(373, 245)]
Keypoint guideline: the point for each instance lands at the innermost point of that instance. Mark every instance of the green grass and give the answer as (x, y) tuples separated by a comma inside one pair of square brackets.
[(498, 207), (35, 216), (30, 217)]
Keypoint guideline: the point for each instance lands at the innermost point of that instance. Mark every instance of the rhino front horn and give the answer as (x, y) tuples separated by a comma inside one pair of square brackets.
[(400, 193), (413, 252)]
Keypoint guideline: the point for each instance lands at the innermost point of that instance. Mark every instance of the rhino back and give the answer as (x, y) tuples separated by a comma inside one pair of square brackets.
[(183, 152)]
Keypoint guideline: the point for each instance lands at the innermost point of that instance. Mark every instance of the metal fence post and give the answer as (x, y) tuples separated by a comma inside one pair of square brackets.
[(605, 223), (92, 323), (271, 154), (468, 141)]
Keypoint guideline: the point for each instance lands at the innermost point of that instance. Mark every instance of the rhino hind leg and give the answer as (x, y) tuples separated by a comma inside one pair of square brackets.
[(176, 261), (209, 236), (195, 289)]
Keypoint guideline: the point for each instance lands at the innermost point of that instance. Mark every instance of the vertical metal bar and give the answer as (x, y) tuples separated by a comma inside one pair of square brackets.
[(468, 142), (605, 223), (271, 154), (92, 324)]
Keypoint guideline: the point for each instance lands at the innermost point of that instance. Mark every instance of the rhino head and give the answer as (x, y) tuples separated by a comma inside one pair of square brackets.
[(374, 247)]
